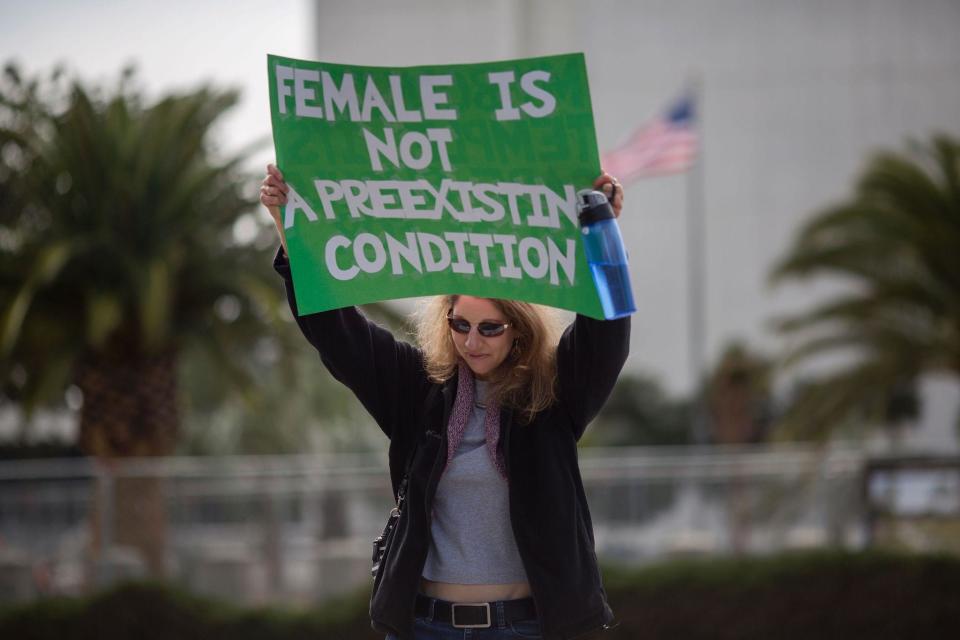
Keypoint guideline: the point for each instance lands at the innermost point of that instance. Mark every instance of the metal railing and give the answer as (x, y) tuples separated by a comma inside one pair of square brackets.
[(297, 529)]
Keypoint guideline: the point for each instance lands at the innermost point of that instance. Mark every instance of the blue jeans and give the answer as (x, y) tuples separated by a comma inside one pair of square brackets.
[(499, 629)]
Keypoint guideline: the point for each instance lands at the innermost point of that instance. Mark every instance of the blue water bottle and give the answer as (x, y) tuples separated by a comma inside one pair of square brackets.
[(605, 254)]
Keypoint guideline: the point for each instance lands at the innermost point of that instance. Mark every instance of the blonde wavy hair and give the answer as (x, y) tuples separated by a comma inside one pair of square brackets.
[(525, 380)]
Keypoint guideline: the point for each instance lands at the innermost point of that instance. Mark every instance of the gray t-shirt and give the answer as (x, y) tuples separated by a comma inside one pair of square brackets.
[(471, 538)]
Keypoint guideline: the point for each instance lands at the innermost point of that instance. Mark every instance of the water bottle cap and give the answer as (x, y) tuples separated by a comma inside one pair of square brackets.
[(593, 206)]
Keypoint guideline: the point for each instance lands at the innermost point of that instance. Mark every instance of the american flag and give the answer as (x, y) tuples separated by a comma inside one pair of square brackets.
[(667, 144)]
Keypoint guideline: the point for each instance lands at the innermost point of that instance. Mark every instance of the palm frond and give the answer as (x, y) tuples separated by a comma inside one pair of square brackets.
[(49, 263), (896, 239)]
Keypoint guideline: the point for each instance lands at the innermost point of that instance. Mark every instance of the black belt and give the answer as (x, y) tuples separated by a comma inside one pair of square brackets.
[(473, 615)]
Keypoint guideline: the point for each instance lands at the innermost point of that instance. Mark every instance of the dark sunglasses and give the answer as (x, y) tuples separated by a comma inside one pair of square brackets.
[(485, 329)]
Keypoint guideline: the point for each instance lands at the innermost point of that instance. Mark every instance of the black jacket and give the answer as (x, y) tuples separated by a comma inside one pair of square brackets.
[(548, 507)]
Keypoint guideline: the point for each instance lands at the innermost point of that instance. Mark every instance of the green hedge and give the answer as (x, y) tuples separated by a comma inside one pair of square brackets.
[(154, 611), (871, 596)]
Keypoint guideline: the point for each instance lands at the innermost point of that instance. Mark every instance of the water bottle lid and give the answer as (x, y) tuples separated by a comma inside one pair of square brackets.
[(593, 206)]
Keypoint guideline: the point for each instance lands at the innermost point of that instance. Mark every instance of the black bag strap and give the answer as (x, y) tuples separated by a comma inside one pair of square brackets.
[(402, 489)]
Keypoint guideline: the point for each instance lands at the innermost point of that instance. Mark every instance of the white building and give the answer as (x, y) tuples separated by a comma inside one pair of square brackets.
[(794, 97)]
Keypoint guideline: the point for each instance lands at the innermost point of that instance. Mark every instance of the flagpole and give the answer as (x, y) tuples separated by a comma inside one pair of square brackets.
[(696, 275)]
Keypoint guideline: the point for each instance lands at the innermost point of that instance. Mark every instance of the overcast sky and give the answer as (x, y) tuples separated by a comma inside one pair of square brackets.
[(174, 44)]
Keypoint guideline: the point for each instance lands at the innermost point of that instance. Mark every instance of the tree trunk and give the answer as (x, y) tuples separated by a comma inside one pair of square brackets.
[(735, 398), (129, 410)]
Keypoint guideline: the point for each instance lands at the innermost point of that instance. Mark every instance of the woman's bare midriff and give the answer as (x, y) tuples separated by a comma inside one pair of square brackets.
[(474, 592)]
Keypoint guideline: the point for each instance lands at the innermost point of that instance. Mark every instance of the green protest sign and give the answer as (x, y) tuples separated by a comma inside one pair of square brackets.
[(436, 179)]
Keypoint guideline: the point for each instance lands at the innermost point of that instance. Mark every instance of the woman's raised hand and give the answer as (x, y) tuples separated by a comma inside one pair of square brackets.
[(611, 188), (273, 195), (273, 191)]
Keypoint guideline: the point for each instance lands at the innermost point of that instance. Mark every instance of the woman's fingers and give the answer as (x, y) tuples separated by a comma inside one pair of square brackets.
[(275, 179), (617, 201), (272, 196), (273, 190), (611, 188)]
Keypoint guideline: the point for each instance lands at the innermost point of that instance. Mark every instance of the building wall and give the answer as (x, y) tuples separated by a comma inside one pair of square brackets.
[(795, 95)]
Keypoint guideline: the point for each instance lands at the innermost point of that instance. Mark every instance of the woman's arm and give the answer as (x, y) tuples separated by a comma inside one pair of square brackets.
[(589, 359), (386, 375), (592, 352)]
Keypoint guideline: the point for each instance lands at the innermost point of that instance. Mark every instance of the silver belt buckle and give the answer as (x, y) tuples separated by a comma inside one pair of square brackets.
[(485, 605)]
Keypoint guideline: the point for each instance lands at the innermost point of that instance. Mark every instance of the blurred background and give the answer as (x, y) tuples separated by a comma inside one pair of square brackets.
[(793, 378)]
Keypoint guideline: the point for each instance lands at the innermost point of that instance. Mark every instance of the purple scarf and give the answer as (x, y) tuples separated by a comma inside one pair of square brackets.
[(462, 407)]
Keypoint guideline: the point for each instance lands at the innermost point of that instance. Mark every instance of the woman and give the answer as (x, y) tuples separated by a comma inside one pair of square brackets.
[(495, 536)]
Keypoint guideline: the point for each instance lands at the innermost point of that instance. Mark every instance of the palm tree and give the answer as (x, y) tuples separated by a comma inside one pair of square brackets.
[(896, 242), (738, 396), (116, 222)]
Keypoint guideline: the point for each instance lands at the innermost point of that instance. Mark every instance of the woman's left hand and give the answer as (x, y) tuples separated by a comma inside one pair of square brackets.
[(612, 188)]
